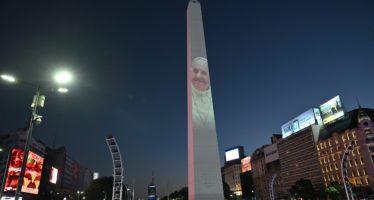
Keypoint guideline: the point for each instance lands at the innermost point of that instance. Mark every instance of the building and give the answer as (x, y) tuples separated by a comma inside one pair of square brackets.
[(266, 170), (57, 166), (152, 195), (259, 174), (356, 127), (71, 175), (246, 181), (16, 140), (233, 168), (299, 160)]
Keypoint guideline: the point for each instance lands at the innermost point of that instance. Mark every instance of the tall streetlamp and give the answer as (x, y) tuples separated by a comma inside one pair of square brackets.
[(79, 193), (38, 101)]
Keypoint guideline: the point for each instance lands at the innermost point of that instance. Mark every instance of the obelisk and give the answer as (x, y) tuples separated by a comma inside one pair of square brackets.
[(204, 174)]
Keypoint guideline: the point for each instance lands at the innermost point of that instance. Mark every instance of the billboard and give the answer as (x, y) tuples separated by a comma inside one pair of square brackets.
[(54, 175), (232, 154), (33, 173), (271, 153), (332, 110), (14, 170), (95, 175), (300, 122), (246, 164)]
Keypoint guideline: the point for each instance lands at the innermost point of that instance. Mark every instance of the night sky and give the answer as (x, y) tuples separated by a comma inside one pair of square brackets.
[(269, 62)]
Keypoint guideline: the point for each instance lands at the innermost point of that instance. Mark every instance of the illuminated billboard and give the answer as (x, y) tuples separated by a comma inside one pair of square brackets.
[(14, 170), (54, 175), (95, 175), (33, 173), (300, 122), (331, 110), (246, 164), (232, 154)]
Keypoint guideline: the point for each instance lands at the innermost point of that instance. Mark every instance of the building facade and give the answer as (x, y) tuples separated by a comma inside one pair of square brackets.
[(16, 140), (72, 176), (233, 168), (267, 178), (299, 160), (356, 128)]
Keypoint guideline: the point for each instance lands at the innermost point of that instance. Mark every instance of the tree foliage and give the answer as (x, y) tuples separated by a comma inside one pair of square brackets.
[(100, 188), (182, 194), (303, 188), (334, 190)]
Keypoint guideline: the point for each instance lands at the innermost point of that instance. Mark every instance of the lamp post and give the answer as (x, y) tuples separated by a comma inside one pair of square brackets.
[(5, 172), (38, 101), (79, 193)]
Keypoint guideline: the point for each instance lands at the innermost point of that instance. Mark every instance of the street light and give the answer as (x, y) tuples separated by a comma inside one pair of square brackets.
[(8, 78), (63, 77), (38, 101), (63, 90), (79, 193)]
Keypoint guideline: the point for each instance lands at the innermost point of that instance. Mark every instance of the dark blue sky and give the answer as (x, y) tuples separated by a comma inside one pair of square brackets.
[(269, 62)]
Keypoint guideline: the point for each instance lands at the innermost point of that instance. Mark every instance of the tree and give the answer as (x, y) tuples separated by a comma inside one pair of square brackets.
[(182, 194), (99, 189), (303, 188), (334, 190)]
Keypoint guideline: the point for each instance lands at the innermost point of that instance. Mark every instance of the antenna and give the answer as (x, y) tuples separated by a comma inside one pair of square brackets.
[(358, 103), (153, 177)]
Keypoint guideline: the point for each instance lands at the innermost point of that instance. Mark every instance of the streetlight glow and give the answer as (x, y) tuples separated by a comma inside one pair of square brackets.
[(63, 77), (8, 78), (63, 90)]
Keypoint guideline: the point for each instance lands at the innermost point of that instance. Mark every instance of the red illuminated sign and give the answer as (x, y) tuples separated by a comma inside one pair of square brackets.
[(14, 170), (33, 172), (246, 164)]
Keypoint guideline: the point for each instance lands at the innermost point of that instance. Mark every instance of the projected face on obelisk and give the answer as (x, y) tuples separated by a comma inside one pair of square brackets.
[(200, 74), (202, 111)]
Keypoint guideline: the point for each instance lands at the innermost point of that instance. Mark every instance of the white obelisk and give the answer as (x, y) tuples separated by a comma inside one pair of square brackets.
[(204, 174)]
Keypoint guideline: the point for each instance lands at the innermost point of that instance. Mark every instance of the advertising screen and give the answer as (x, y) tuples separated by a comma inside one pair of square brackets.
[(302, 121), (95, 175), (33, 173), (331, 110), (232, 154), (14, 170), (54, 174), (246, 164)]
